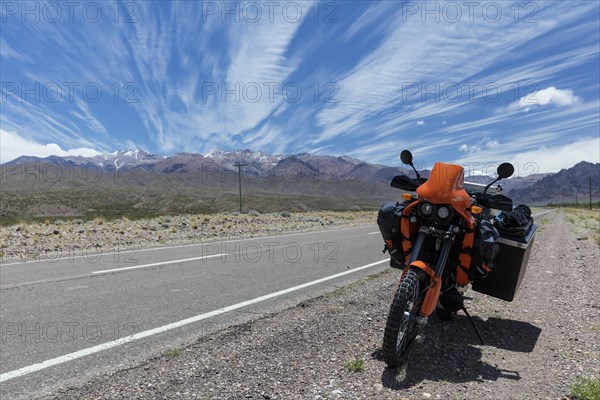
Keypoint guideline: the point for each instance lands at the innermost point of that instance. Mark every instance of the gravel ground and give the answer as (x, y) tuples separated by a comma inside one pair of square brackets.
[(60, 238), (536, 346)]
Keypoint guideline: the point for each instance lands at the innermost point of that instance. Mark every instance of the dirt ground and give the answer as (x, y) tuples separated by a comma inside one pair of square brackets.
[(330, 347)]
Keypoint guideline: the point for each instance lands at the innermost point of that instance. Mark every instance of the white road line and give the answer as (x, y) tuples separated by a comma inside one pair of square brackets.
[(105, 346), (372, 233), (179, 246), (158, 263)]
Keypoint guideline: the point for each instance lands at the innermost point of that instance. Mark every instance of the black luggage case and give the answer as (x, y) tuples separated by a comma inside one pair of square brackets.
[(388, 220), (510, 266)]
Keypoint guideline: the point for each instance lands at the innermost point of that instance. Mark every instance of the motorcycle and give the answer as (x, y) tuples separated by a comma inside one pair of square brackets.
[(434, 240)]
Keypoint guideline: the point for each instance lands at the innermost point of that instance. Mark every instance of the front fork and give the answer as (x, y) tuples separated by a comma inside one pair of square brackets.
[(432, 291)]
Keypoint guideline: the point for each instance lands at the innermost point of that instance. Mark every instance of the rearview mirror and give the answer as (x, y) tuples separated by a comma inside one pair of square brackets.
[(406, 157), (505, 170)]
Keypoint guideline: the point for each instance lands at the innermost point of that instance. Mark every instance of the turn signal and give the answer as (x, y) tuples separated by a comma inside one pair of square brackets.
[(476, 209), (407, 196)]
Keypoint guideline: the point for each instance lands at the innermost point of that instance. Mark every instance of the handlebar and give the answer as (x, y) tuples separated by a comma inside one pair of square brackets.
[(496, 201)]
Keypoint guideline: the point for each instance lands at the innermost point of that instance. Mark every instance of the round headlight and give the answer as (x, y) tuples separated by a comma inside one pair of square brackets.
[(426, 209), (444, 213)]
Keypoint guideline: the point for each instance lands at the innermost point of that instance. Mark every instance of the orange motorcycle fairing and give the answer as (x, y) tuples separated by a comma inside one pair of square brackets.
[(445, 185), (433, 291), (408, 231), (464, 260)]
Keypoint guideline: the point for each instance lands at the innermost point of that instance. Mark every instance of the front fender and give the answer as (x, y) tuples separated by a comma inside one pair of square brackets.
[(433, 288)]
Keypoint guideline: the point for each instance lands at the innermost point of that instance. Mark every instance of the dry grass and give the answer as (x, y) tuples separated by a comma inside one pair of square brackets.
[(585, 222), (23, 240)]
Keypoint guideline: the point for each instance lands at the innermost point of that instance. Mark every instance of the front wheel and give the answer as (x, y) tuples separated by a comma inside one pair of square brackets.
[(400, 328)]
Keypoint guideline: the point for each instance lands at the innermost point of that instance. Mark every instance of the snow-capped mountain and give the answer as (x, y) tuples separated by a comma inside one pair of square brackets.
[(117, 159), (220, 156)]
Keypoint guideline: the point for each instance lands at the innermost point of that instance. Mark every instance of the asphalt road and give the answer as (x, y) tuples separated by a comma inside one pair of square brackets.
[(68, 319)]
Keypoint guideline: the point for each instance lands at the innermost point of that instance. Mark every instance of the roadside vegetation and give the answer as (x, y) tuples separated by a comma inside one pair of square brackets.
[(586, 389), (585, 223), (355, 365), (52, 237), (172, 353)]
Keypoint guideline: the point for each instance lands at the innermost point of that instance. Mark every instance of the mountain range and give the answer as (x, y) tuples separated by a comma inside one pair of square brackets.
[(186, 182), (255, 164), (570, 185)]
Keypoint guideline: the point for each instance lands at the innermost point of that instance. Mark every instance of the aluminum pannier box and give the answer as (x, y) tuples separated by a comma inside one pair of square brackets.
[(511, 264)]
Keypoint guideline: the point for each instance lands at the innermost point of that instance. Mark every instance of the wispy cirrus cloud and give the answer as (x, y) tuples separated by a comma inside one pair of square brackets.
[(378, 89), (9, 53), (382, 80), (84, 114), (229, 93), (182, 79)]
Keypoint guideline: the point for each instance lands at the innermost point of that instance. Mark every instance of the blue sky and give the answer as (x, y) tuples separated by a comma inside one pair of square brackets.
[(478, 82)]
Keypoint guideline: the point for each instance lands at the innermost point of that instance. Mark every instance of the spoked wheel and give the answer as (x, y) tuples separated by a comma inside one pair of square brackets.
[(400, 328)]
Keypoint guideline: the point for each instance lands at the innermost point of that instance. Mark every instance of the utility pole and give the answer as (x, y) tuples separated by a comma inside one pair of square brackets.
[(590, 192), (239, 165)]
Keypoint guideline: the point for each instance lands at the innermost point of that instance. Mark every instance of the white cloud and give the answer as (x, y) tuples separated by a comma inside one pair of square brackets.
[(577, 120), (550, 95), (469, 149), (421, 122), (485, 143), (555, 158), (530, 154), (13, 146)]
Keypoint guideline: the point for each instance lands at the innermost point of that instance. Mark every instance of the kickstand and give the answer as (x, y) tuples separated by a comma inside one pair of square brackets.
[(474, 326)]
